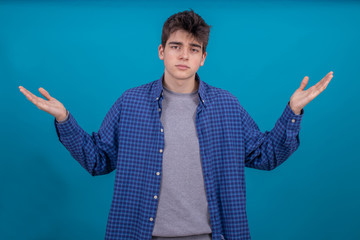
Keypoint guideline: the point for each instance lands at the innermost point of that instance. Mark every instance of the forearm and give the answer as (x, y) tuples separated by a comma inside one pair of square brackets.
[(86, 149), (268, 150)]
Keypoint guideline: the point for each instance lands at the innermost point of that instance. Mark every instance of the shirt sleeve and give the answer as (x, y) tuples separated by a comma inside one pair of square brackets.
[(97, 153), (268, 150)]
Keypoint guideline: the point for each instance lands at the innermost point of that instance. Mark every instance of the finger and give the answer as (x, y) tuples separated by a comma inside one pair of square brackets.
[(326, 83), (323, 81), (32, 98), (329, 76), (45, 93), (319, 87), (26, 92), (304, 82)]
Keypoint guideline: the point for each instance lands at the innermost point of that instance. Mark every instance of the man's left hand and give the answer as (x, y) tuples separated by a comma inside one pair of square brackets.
[(301, 98)]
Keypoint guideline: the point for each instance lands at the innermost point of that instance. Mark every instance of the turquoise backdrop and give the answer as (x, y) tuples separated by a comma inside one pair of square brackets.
[(87, 53)]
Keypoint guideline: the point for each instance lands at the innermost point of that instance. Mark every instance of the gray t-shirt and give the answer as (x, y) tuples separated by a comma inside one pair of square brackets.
[(182, 212)]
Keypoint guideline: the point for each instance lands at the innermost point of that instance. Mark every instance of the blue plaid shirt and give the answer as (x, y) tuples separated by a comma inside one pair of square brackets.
[(131, 140)]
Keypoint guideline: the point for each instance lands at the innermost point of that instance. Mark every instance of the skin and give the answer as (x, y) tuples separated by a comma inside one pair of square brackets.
[(51, 105), (182, 49), (302, 97)]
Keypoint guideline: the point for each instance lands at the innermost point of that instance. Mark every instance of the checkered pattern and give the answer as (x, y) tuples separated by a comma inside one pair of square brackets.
[(130, 140)]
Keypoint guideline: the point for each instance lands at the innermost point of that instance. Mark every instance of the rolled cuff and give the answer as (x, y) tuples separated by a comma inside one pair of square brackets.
[(66, 127), (290, 120)]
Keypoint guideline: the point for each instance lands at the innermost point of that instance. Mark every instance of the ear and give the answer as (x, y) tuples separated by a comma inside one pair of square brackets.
[(161, 52), (203, 58)]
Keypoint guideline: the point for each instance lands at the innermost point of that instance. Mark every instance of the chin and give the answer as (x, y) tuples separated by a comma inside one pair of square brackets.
[(184, 75)]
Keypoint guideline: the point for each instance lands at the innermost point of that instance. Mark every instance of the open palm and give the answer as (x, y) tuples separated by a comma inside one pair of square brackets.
[(51, 105), (301, 98)]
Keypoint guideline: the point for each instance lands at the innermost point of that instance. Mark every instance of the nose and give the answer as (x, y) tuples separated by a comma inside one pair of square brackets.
[(184, 54)]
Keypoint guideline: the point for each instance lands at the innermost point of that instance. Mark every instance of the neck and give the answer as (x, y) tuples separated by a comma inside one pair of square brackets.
[(180, 85)]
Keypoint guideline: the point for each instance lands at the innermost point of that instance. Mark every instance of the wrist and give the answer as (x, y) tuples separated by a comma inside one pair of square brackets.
[(296, 110), (62, 117)]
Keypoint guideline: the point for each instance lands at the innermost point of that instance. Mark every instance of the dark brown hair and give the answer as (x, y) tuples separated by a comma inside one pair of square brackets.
[(190, 22)]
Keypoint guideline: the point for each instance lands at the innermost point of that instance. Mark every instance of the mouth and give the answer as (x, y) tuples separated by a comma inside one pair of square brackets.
[(182, 67)]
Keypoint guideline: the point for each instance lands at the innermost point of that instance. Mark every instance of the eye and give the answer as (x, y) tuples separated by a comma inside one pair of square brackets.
[(195, 50), (174, 47)]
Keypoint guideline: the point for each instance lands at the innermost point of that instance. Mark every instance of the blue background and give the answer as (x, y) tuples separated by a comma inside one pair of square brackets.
[(86, 54)]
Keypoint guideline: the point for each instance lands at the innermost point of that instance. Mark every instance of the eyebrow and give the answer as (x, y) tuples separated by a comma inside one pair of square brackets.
[(191, 44)]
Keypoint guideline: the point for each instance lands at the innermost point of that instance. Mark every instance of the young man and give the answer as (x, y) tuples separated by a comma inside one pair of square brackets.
[(179, 145)]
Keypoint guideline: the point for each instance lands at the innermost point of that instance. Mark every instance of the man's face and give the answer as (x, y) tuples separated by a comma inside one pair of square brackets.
[(182, 56)]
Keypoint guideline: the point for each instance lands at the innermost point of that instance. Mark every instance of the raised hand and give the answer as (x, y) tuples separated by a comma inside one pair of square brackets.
[(51, 105), (301, 98)]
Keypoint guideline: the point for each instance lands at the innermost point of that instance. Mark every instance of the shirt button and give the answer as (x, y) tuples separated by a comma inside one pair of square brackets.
[(157, 98), (293, 120), (155, 197), (203, 100), (159, 109), (161, 150), (151, 219), (161, 130), (158, 173)]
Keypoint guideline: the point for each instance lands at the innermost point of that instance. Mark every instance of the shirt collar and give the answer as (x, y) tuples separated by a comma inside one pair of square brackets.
[(158, 89)]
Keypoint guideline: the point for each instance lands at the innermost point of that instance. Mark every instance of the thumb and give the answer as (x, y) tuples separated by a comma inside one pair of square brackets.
[(304, 83), (45, 93)]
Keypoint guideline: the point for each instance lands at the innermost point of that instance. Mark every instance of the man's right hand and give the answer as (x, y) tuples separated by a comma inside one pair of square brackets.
[(52, 106)]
